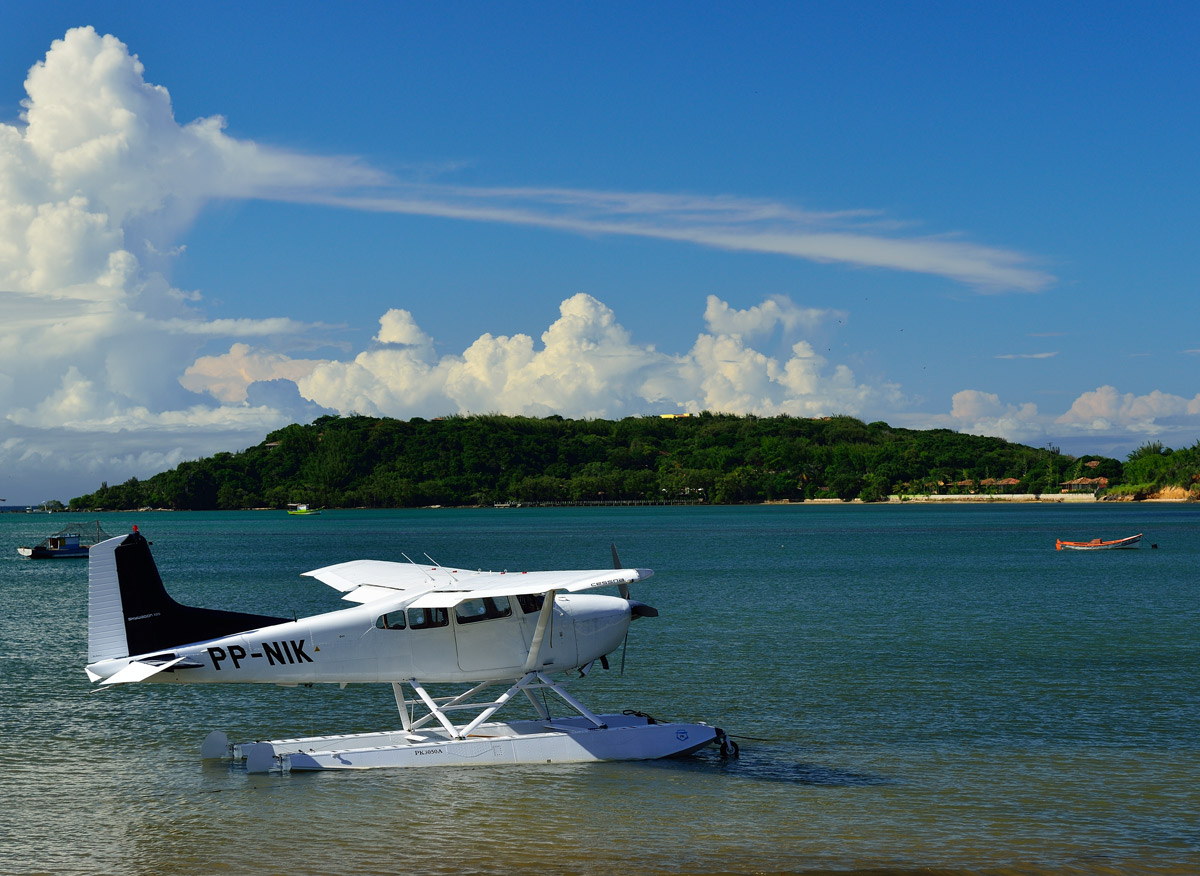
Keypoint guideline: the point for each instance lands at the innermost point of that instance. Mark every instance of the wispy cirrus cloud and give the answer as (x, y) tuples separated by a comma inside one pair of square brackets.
[(238, 328), (853, 237), (1027, 355)]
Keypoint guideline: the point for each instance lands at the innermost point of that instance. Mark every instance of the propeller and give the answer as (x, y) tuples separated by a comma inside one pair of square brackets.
[(636, 609)]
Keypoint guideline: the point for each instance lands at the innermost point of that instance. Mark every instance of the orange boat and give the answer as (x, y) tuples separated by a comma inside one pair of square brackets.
[(1097, 545)]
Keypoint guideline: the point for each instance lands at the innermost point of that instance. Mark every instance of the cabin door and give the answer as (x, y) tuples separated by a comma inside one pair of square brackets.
[(489, 635)]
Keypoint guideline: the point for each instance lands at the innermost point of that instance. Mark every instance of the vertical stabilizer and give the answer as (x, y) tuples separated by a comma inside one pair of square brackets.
[(106, 621), (130, 612)]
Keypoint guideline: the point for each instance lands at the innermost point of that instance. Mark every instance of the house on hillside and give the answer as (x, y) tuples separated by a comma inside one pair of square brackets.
[(1084, 485), (1004, 485)]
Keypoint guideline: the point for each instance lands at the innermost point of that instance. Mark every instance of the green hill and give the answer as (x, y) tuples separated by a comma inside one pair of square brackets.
[(482, 460)]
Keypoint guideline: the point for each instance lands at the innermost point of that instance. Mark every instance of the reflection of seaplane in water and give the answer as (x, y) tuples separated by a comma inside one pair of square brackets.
[(414, 626)]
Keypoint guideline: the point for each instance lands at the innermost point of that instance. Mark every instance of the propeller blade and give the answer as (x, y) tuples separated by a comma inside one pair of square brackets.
[(623, 587), (636, 609)]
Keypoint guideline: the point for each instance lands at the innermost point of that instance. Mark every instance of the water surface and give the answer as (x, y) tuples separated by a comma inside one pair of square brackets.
[(917, 689)]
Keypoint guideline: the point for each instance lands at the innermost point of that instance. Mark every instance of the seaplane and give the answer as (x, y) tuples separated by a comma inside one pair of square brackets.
[(498, 638)]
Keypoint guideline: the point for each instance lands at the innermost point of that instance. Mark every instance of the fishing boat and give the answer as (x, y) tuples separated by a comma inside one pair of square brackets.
[(1098, 545), (303, 509), (69, 543)]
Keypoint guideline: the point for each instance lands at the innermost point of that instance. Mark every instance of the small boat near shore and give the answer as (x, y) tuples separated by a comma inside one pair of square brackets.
[(303, 509), (1098, 545), (70, 543)]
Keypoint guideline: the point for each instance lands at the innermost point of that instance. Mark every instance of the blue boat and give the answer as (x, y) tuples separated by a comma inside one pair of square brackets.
[(69, 543)]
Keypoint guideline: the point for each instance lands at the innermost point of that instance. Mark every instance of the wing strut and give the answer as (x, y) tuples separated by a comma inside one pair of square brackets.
[(539, 633)]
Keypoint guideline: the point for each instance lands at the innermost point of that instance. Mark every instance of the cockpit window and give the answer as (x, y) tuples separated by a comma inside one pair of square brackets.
[(424, 618), (531, 602), (470, 611), (391, 621)]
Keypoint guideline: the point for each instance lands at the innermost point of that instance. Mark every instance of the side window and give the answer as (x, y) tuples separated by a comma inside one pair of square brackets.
[(470, 611), (424, 618), (391, 621), (531, 602)]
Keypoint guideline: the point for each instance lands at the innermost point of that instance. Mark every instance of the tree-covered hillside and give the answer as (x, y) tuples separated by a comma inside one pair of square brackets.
[(482, 460)]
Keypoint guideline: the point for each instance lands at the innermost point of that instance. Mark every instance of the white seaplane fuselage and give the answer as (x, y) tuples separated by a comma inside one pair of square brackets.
[(355, 645)]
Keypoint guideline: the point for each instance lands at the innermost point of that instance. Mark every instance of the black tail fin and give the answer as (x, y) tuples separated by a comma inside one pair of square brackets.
[(131, 613)]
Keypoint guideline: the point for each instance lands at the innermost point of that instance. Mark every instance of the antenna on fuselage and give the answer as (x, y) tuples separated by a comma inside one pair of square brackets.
[(438, 565), (421, 567)]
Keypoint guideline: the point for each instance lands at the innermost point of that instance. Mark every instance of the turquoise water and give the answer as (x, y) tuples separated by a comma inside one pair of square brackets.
[(918, 690)]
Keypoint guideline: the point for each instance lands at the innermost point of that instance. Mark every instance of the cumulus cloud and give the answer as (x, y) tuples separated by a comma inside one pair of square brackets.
[(586, 365), (227, 377), (398, 327), (1103, 420), (101, 169), (97, 181), (1105, 409), (96, 185), (982, 413), (778, 310), (77, 405)]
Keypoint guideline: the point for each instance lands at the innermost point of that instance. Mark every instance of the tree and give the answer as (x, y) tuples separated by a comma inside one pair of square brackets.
[(1148, 464)]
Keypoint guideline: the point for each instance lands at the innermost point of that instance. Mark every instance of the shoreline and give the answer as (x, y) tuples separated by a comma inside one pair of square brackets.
[(894, 499), (984, 499)]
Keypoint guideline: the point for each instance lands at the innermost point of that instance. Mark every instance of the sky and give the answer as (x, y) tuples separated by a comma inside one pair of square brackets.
[(217, 219)]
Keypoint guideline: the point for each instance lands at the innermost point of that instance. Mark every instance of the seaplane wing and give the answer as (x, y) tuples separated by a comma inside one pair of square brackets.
[(518, 583), (446, 586), (368, 580)]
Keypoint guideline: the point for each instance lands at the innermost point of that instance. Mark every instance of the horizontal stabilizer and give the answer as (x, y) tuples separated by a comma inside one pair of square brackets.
[(138, 671)]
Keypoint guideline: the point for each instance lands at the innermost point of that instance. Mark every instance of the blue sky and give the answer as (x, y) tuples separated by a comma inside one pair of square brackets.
[(217, 219)]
